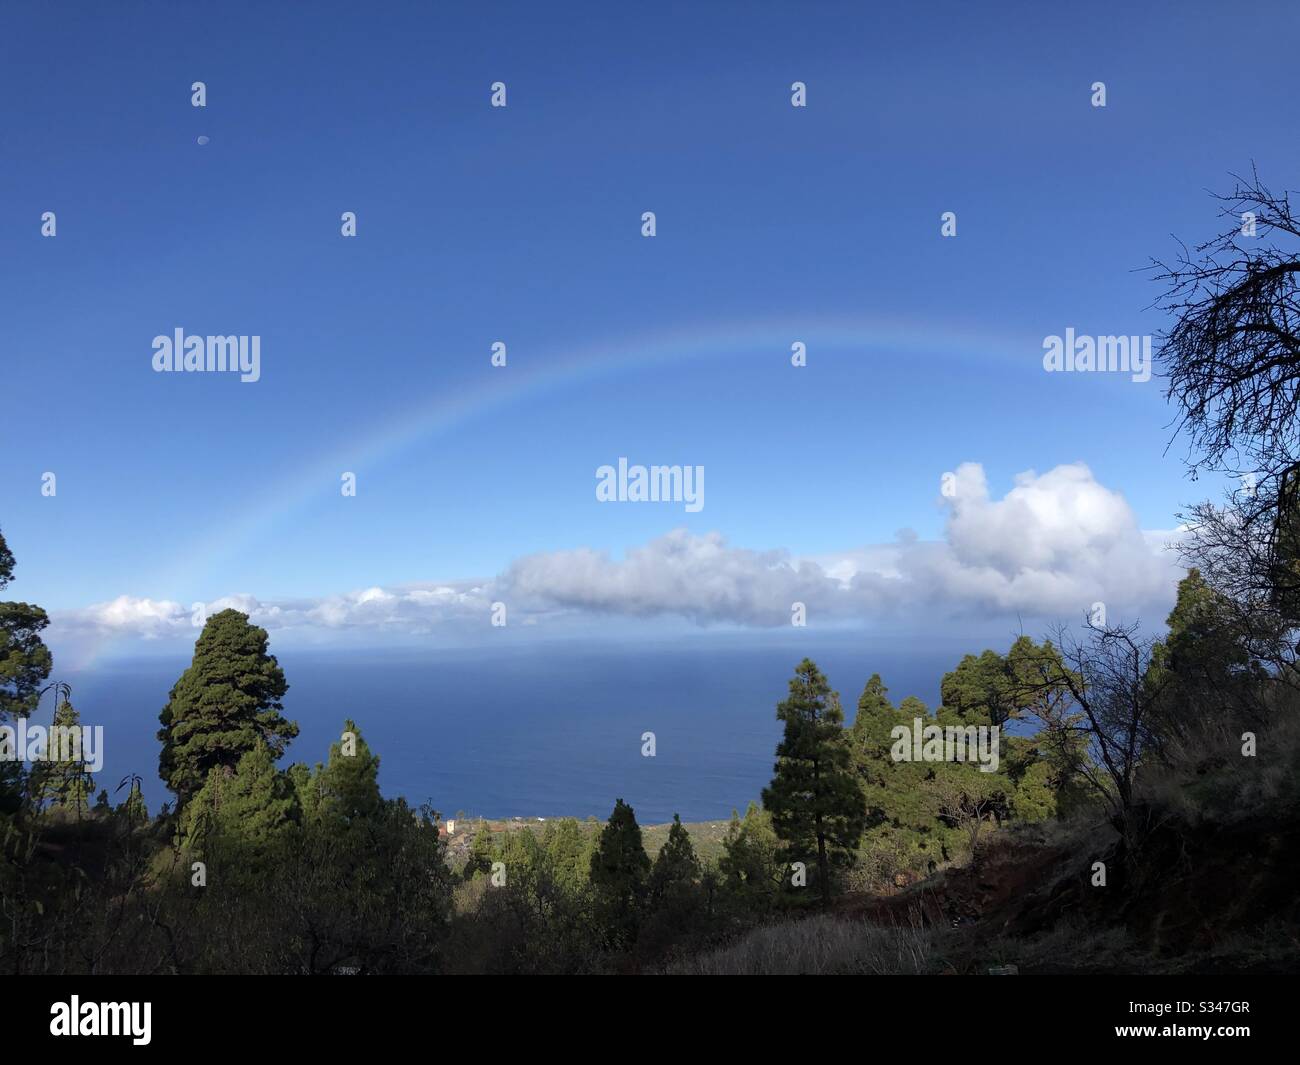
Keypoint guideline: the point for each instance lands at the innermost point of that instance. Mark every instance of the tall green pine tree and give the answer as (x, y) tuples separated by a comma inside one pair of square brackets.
[(676, 866), (619, 868), (224, 705), (24, 659), (24, 664), (348, 784), (817, 807)]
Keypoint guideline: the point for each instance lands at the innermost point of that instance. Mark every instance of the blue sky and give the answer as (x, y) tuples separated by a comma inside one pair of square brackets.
[(478, 224)]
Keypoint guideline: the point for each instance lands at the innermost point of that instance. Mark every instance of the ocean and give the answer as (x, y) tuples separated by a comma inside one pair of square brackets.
[(534, 731)]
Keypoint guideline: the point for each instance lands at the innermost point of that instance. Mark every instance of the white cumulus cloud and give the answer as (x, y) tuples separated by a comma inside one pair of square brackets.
[(1053, 545)]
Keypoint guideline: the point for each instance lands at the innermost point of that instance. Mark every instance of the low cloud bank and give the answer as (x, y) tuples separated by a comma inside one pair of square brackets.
[(1056, 543)]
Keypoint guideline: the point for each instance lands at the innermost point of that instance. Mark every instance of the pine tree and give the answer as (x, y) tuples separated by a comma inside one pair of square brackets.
[(252, 805), (348, 784), (817, 807), (870, 737), (64, 783), (566, 853), (676, 866), (679, 898), (224, 705), (524, 862), (875, 715), (983, 689), (24, 659), (619, 867), (482, 853), (750, 861), (305, 786), (1202, 670)]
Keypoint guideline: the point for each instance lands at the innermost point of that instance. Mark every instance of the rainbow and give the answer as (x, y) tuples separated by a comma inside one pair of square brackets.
[(556, 370)]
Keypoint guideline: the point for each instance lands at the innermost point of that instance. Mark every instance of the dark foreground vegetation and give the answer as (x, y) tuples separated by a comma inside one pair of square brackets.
[(1139, 812)]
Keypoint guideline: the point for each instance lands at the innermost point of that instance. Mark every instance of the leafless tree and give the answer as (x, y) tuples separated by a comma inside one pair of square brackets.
[(1232, 356), (1232, 364), (964, 797), (1105, 721)]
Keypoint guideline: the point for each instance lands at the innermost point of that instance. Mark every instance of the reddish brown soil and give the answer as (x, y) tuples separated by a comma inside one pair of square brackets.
[(1190, 892)]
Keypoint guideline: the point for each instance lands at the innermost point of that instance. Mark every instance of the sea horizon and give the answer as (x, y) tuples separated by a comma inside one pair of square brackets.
[(544, 729)]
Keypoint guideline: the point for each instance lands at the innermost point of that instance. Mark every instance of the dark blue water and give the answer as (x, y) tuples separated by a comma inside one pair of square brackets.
[(546, 730)]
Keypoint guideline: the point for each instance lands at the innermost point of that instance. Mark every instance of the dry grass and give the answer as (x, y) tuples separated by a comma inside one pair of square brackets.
[(1207, 777), (818, 946)]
